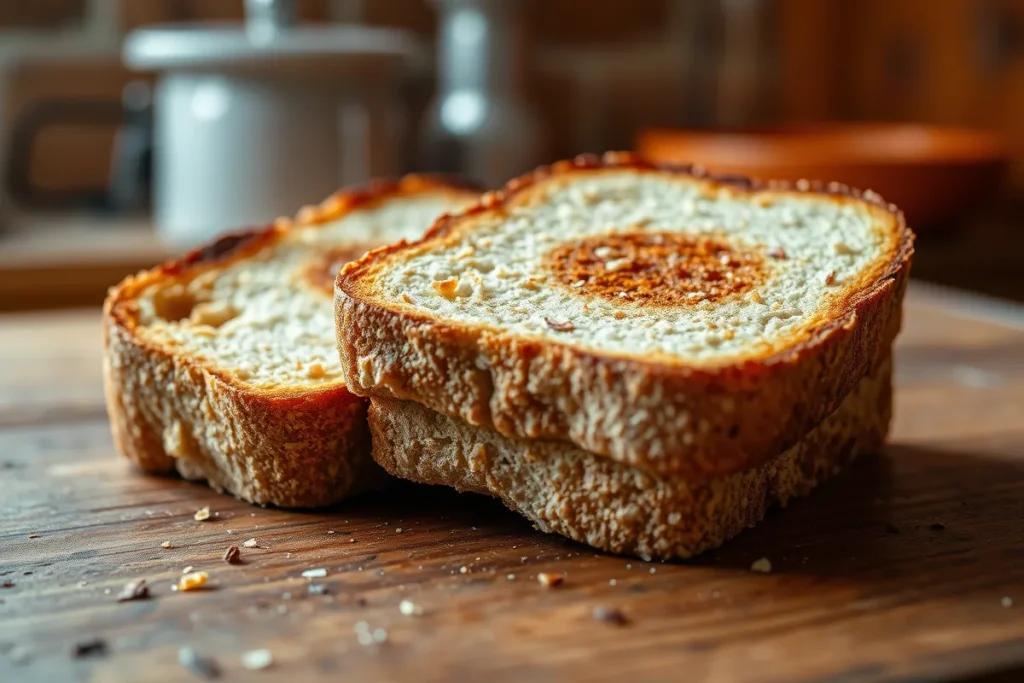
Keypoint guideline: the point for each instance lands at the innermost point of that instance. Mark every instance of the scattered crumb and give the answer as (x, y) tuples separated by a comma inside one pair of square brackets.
[(777, 253), (764, 566), (398, 530), (315, 573), (937, 526), (193, 581), (202, 514), (254, 660), (330, 532), (33, 535), (233, 555), (318, 589), (830, 278), (1006, 602), (366, 637), (351, 540), (611, 615), (550, 580), (134, 590), (165, 544), (204, 667), (612, 582), (891, 528), (629, 566), (654, 570), (188, 570), (410, 608), (363, 634), (251, 543), (89, 648), (511, 577), (463, 569), (6, 583)]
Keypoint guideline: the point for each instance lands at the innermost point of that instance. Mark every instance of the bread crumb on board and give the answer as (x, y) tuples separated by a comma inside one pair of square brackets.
[(550, 580), (255, 660), (410, 609), (763, 565), (134, 590), (610, 615), (193, 581)]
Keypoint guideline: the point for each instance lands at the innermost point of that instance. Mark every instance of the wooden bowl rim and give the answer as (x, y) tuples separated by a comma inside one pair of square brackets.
[(826, 145)]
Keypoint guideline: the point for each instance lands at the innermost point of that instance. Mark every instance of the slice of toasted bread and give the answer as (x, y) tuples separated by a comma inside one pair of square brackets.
[(657, 315), (616, 507), (222, 364)]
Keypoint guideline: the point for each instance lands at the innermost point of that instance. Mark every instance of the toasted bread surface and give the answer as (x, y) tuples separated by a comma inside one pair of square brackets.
[(222, 364), (616, 507), (659, 316)]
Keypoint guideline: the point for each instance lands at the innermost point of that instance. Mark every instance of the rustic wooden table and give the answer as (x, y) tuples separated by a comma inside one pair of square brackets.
[(909, 567)]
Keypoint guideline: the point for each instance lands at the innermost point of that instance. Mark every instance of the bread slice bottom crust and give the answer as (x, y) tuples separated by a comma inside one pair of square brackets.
[(167, 414), (616, 507)]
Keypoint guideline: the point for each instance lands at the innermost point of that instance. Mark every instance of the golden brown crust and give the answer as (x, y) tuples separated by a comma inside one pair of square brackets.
[(292, 446), (616, 507), (379, 190), (656, 413)]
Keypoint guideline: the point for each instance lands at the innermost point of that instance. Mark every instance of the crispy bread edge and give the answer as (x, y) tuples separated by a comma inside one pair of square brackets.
[(169, 412), (693, 422), (615, 507)]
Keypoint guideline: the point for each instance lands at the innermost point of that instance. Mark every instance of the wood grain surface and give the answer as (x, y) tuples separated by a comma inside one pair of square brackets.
[(909, 567)]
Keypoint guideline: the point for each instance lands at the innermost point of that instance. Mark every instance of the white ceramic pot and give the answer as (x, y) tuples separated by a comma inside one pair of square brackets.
[(247, 130)]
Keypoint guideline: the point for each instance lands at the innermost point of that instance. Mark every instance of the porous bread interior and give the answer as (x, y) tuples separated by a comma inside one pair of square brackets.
[(831, 244), (260, 318)]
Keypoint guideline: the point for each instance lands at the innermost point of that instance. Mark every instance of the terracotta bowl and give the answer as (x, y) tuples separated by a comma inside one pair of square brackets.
[(936, 175)]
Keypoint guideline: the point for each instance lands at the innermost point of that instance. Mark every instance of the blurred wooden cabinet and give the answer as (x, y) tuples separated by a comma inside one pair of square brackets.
[(957, 62)]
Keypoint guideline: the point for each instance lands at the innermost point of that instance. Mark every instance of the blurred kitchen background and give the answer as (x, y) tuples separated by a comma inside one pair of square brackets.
[(123, 141)]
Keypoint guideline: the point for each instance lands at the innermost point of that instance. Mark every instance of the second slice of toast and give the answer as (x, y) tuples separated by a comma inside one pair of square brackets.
[(222, 364), (616, 507)]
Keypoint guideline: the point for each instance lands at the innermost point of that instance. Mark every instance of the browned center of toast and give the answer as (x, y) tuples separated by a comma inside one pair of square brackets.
[(657, 268), (322, 269)]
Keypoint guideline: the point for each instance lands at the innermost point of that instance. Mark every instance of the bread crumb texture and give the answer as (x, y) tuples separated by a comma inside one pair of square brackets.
[(642, 263), (269, 319)]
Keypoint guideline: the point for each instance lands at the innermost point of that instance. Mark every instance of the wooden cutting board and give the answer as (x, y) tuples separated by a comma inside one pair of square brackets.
[(909, 567)]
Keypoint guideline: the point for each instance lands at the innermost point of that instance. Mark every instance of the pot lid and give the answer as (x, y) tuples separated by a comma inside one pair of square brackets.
[(229, 46)]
